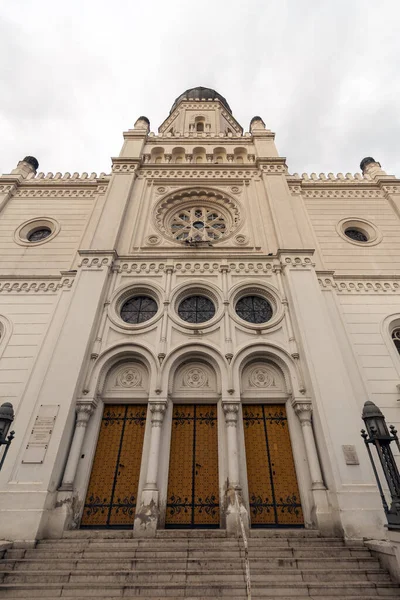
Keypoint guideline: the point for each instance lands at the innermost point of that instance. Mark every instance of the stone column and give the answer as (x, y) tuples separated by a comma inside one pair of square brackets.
[(234, 504), (146, 520), (321, 512), (84, 411)]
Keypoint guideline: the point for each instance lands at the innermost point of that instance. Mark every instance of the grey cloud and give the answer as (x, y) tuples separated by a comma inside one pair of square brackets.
[(323, 75)]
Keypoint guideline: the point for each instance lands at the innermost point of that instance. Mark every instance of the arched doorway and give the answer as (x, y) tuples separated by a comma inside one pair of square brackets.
[(193, 486), (112, 492), (274, 498)]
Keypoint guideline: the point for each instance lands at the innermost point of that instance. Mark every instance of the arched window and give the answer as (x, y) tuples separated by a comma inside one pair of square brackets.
[(200, 126), (396, 338)]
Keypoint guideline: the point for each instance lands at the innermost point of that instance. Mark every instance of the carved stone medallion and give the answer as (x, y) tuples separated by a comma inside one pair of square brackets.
[(128, 378), (195, 378)]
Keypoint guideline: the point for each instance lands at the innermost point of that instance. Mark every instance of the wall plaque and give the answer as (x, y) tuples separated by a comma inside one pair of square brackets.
[(41, 433), (350, 455)]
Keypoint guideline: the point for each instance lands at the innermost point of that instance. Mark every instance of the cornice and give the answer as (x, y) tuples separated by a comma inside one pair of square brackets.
[(197, 266), (359, 284), (342, 186), (42, 284)]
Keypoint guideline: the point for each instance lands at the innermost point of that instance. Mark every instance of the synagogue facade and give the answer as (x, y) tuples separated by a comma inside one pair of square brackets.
[(193, 336)]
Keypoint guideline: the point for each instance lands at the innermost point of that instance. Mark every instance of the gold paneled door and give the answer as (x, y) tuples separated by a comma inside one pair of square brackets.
[(273, 490), (193, 495), (112, 493)]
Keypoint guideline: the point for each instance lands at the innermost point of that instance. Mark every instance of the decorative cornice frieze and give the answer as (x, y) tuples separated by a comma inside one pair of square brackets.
[(124, 165), (360, 285), (200, 171), (7, 188), (296, 258), (35, 285), (194, 267), (96, 259), (342, 193), (53, 192)]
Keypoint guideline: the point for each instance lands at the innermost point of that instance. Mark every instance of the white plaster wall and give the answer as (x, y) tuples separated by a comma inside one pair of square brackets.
[(345, 257), (72, 214)]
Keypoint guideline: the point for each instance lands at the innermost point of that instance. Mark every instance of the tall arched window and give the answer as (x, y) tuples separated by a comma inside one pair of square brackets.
[(200, 126), (396, 338)]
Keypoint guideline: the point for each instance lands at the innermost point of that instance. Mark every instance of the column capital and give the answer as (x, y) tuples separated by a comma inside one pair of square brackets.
[(231, 410), (84, 411), (157, 410), (303, 409)]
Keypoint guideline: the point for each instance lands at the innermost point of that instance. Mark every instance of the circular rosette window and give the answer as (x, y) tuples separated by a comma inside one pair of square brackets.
[(198, 224), (256, 307), (197, 217)]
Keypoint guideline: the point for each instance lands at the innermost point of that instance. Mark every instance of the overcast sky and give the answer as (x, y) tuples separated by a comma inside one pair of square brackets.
[(324, 75)]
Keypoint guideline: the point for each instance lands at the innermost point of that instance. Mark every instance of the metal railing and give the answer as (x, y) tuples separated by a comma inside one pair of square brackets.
[(246, 547)]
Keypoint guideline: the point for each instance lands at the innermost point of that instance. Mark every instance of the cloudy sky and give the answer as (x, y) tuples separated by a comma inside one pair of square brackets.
[(324, 75)]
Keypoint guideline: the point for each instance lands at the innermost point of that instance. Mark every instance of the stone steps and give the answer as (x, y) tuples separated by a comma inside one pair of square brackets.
[(201, 566), (357, 589)]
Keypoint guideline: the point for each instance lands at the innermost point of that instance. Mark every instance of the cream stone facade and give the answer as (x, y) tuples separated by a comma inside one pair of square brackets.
[(200, 222)]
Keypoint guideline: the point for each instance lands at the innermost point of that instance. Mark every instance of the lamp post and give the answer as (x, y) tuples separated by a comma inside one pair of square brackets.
[(379, 436), (6, 418)]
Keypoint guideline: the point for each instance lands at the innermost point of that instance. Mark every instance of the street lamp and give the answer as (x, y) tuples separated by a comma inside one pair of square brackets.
[(6, 418), (379, 436)]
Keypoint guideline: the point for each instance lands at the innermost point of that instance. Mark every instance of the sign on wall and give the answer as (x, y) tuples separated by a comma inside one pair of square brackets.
[(41, 433)]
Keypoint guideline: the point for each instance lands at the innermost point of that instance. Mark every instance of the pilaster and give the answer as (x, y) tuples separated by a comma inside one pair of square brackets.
[(147, 516), (337, 406)]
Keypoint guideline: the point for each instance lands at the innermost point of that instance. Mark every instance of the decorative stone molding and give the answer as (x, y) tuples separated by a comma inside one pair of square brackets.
[(153, 240), (231, 411), (157, 411), (122, 165), (391, 189), (303, 409), (84, 411), (358, 285), (194, 267), (273, 169), (343, 193), (298, 261), (241, 239), (53, 192), (195, 377), (5, 189), (40, 285), (129, 378), (91, 259), (261, 377), (200, 171)]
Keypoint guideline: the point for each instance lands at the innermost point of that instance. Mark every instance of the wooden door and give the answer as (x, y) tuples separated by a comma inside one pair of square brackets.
[(273, 490), (193, 490), (112, 493)]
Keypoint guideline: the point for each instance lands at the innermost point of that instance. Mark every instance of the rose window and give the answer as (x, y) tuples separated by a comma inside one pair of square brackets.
[(138, 309), (356, 234), (198, 224), (254, 309), (196, 309)]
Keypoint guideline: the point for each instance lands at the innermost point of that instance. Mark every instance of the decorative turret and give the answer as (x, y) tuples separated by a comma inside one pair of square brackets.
[(201, 112), (371, 168), (25, 167)]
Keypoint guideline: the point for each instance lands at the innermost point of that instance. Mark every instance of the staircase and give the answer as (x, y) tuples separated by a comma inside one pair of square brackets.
[(196, 565)]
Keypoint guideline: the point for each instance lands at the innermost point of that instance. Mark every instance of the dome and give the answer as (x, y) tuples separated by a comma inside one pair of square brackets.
[(200, 93)]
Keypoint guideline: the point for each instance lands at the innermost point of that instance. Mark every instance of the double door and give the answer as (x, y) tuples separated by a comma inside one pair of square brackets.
[(112, 493), (193, 487), (274, 498)]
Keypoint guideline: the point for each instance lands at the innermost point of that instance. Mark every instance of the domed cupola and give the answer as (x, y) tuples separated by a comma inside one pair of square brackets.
[(200, 93)]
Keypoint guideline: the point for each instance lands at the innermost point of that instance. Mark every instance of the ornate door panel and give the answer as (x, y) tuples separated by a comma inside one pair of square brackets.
[(193, 490), (112, 492), (273, 490)]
